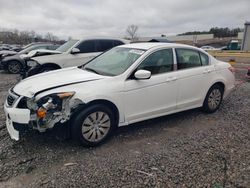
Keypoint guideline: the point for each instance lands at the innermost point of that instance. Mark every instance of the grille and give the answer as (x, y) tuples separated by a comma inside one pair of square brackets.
[(22, 103), (12, 97), (10, 100)]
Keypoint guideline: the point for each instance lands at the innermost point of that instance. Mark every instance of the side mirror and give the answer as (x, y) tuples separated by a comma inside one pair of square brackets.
[(142, 74), (75, 50)]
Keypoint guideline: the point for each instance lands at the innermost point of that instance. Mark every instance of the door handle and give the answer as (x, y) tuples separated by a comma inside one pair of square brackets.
[(171, 79), (207, 71)]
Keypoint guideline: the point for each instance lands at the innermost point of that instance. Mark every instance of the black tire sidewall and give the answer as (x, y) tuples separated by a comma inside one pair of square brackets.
[(46, 69), (205, 104), (10, 63), (76, 124)]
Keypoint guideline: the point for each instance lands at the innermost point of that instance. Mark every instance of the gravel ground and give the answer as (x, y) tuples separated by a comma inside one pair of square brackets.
[(188, 149)]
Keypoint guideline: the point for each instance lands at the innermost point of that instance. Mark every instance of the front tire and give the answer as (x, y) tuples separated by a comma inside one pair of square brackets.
[(14, 67), (47, 69), (93, 125), (213, 99)]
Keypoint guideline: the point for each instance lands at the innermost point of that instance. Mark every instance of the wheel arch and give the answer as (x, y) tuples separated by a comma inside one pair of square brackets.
[(105, 102), (218, 82), (54, 65)]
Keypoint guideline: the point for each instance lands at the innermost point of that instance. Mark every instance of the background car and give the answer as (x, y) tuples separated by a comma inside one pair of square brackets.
[(73, 53), (208, 48), (127, 84), (13, 63)]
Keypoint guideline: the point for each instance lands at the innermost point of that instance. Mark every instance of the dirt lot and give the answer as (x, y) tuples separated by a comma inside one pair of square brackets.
[(189, 149)]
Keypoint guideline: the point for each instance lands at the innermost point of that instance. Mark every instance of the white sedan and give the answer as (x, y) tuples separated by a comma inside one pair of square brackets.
[(127, 84)]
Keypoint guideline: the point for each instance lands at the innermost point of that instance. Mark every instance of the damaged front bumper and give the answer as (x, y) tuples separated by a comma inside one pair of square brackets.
[(14, 117), (23, 113)]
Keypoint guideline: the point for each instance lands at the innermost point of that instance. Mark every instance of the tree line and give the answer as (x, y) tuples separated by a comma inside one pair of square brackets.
[(25, 37), (219, 32)]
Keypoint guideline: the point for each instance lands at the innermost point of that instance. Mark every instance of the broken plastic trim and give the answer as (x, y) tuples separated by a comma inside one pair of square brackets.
[(57, 107)]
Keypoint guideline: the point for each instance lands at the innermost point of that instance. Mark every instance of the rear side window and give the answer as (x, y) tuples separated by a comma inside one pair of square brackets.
[(187, 58), (204, 59), (104, 45), (87, 46), (158, 62), (118, 43)]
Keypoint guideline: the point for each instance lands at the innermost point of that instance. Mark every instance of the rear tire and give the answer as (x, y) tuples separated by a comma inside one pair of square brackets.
[(14, 67), (93, 125), (213, 99)]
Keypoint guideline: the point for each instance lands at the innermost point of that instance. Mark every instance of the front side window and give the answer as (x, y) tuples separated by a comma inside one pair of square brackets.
[(114, 62), (158, 62), (87, 46), (187, 58)]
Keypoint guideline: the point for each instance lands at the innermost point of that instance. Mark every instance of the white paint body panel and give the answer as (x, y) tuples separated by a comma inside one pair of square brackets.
[(136, 100)]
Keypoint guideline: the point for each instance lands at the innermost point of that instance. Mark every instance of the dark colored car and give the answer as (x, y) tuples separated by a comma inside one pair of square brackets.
[(13, 63)]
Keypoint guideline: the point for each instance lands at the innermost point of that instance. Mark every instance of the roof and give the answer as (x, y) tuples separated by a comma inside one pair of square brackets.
[(160, 39), (103, 38), (148, 45)]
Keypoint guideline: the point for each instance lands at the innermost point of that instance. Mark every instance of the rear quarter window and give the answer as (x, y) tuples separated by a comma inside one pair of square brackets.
[(204, 59)]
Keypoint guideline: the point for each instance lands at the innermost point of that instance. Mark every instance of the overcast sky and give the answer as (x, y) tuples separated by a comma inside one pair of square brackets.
[(79, 18)]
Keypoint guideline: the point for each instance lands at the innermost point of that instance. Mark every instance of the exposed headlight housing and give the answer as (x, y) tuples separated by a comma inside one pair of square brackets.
[(52, 103), (32, 63)]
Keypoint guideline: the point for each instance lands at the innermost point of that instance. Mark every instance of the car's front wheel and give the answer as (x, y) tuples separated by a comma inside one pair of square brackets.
[(93, 125), (47, 69), (213, 99), (14, 67)]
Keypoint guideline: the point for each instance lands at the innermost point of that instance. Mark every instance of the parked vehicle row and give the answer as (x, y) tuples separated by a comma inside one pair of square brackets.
[(72, 53), (11, 47), (127, 84), (13, 62)]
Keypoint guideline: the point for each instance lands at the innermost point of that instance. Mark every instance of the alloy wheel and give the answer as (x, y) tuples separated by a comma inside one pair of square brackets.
[(14, 67), (96, 126), (214, 99)]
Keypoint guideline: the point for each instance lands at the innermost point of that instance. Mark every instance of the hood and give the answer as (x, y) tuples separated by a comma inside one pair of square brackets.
[(50, 80), (34, 53), (49, 58)]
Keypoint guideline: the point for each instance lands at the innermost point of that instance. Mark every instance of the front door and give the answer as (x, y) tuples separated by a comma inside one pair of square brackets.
[(152, 97)]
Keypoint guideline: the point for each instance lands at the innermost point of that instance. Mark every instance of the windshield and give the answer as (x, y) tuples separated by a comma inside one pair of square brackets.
[(66, 46), (114, 62), (28, 45)]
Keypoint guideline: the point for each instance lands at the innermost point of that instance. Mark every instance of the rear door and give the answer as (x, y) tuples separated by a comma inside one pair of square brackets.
[(195, 75)]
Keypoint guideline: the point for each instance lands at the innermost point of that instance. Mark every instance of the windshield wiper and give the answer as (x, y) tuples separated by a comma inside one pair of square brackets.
[(91, 70)]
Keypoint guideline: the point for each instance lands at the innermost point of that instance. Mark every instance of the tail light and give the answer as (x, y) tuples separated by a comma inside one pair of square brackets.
[(232, 69), (248, 71)]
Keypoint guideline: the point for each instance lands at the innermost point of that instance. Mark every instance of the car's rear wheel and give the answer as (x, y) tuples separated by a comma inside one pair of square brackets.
[(213, 99), (14, 67), (93, 125)]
